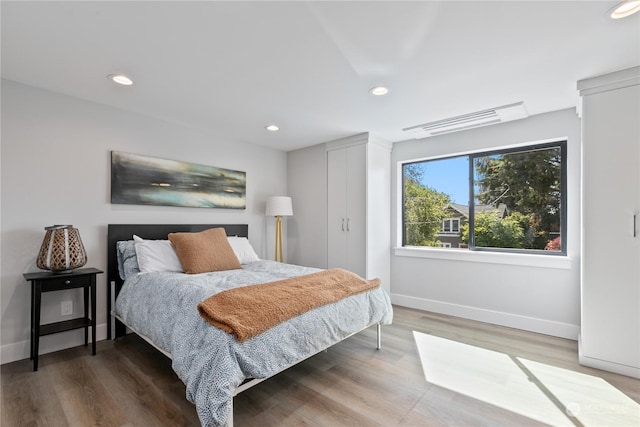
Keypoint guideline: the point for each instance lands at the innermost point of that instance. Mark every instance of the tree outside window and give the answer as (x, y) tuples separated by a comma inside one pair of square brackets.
[(424, 209)]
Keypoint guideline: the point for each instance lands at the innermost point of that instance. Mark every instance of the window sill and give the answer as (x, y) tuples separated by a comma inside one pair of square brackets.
[(526, 260)]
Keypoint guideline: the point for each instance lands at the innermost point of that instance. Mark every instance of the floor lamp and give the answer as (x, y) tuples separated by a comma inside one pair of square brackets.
[(279, 206)]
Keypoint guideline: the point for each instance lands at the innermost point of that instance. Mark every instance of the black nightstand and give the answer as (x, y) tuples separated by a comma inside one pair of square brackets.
[(47, 282)]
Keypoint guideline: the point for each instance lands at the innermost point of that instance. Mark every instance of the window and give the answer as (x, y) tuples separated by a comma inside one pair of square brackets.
[(510, 200), (451, 225)]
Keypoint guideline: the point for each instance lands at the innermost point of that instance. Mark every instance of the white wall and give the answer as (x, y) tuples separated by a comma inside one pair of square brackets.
[(540, 293), (307, 228), (56, 170)]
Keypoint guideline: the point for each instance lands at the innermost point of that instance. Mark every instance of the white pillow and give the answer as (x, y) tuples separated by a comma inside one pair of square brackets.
[(156, 255), (243, 249)]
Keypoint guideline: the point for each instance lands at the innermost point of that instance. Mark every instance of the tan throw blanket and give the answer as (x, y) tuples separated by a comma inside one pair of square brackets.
[(251, 310)]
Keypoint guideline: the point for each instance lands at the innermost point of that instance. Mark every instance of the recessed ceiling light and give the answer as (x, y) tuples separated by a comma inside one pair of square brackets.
[(272, 128), (626, 8), (120, 79), (379, 90)]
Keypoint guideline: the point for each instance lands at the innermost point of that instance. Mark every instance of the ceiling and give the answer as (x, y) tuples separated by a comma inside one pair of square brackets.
[(234, 67)]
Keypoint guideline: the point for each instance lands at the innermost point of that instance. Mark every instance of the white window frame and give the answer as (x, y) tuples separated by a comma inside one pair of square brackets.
[(451, 221)]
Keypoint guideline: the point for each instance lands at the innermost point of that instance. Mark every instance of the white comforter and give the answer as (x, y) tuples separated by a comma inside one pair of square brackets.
[(211, 362)]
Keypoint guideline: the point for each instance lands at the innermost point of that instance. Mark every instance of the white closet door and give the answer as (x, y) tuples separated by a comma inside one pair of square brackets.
[(357, 209), (611, 259), (337, 208)]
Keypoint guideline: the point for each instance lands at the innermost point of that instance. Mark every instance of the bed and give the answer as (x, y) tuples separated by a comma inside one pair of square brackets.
[(215, 365)]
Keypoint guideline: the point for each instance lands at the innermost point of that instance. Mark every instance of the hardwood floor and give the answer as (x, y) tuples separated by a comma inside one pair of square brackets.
[(128, 383)]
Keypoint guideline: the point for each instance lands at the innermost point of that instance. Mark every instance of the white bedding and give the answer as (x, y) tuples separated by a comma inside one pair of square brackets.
[(211, 362)]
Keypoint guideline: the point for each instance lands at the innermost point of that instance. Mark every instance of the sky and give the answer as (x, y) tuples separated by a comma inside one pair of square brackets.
[(450, 176)]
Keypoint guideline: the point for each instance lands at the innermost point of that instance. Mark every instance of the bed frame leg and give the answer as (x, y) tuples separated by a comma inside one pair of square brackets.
[(230, 419), (111, 321), (379, 346)]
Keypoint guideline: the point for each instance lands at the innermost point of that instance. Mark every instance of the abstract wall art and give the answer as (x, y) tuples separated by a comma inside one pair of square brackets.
[(143, 180)]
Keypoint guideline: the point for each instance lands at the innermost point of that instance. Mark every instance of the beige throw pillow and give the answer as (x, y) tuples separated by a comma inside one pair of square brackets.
[(205, 251)]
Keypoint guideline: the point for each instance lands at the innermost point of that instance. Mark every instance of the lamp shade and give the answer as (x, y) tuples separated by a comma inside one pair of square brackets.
[(279, 206), (62, 249)]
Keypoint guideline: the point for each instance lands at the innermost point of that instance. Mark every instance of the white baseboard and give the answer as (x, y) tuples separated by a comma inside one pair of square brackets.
[(606, 365), (542, 326), (49, 343)]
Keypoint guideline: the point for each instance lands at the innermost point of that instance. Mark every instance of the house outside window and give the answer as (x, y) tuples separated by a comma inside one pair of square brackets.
[(517, 201)]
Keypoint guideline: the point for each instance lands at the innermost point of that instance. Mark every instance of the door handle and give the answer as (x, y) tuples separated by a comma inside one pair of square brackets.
[(348, 224), (342, 224), (635, 225)]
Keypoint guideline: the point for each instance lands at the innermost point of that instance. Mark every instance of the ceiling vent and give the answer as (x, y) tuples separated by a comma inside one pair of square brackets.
[(491, 116)]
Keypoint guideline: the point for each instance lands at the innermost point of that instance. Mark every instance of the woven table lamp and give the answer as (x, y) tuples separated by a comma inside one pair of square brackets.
[(61, 250)]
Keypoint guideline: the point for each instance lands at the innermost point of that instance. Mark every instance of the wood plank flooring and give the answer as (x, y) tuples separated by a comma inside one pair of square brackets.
[(128, 383)]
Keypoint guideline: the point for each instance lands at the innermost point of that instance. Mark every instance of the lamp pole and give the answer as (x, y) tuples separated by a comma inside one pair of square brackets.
[(278, 249)]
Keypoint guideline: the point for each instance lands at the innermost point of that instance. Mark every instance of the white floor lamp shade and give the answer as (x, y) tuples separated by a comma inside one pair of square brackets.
[(279, 206)]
